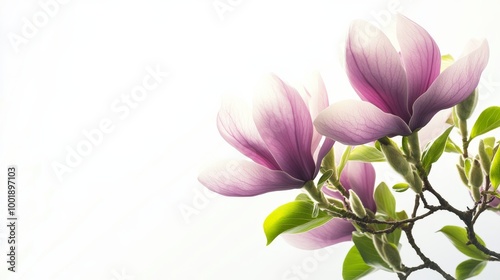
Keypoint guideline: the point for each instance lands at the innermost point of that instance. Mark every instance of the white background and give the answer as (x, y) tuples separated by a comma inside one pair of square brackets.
[(132, 208)]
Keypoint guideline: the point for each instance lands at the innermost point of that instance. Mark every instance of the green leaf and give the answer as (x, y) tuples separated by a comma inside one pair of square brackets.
[(366, 154), (458, 236), (293, 217), (488, 120), (354, 267), (385, 201), (343, 160), (326, 175), (495, 170), (469, 268), (367, 250), (451, 147), (303, 197), (401, 187), (435, 150)]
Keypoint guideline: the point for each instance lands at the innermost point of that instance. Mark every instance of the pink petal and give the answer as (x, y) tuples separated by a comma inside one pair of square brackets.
[(421, 57), (332, 232), (451, 87), (325, 148), (236, 126), (375, 70), (436, 126), (356, 122), (245, 178), (360, 177), (316, 99), (285, 125)]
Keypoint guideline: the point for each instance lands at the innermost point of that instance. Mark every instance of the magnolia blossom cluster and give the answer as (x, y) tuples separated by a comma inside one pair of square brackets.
[(289, 131)]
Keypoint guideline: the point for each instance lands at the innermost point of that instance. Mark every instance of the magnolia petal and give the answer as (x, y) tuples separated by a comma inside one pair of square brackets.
[(316, 99), (332, 232), (284, 123), (451, 87), (245, 178), (360, 177), (421, 57), (236, 126), (436, 126), (325, 148), (356, 122), (375, 70)]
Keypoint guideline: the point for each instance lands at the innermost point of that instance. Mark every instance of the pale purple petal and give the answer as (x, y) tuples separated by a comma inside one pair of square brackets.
[(236, 126), (451, 87), (332, 232), (434, 128), (375, 70), (325, 148), (360, 177), (316, 99), (245, 178), (356, 122), (284, 123), (421, 57)]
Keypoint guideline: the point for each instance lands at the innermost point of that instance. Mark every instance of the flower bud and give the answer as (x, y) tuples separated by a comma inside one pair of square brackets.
[(463, 177), (476, 193), (396, 159), (388, 251), (416, 186), (356, 205), (466, 107), (476, 175), (484, 157)]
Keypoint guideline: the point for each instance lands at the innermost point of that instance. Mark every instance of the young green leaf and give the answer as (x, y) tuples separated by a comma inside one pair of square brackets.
[(495, 170), (385, 201), (326, 175), (303, 196), (366, 154), (401, 187), (469, 268), (354, 267), (343, 160), (368, 252), (488, 120), (293, 217), (451, 147), (435, 150), (458, 237)]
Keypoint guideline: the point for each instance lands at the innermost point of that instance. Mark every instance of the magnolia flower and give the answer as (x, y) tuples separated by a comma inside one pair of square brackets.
[(356, 176), (280, 139), (401, 92)]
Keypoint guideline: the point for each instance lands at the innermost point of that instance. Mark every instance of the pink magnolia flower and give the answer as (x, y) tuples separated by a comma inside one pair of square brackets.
[(280, 139), (356, 176), (401, 92)]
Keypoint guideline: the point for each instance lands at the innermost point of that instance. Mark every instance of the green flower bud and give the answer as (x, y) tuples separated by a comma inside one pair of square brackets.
[(476, 194), (388, 251), (356, 205), (476, 174), (484, 157), (396, 159), (463, 177), (416, 186), (466, 107)]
